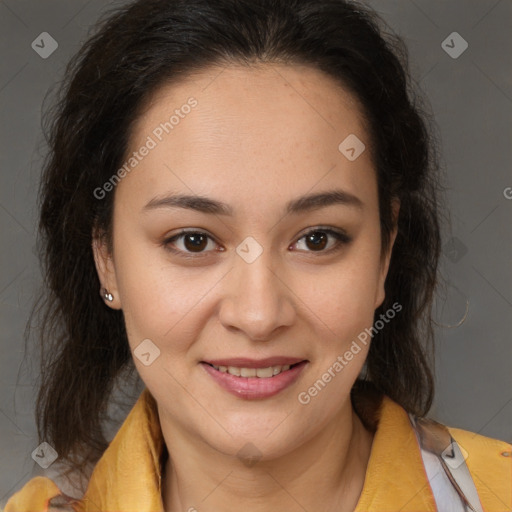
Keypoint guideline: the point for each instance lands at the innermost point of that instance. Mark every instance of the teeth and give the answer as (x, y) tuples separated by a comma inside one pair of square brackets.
[(262, 373), (234, 371), (247, 372)]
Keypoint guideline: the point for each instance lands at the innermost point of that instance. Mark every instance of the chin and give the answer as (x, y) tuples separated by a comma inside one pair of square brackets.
[(265, 436)]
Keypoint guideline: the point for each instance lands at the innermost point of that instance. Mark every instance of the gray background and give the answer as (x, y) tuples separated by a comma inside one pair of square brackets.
[(471, 98)]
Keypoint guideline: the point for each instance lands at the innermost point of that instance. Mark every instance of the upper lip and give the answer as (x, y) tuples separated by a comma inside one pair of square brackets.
[(244, 362)]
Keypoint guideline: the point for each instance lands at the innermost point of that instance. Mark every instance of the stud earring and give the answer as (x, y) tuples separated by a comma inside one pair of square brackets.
[(107, 295)]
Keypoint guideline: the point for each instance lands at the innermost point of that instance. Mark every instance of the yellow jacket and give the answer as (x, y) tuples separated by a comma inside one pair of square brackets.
[(127, 478)]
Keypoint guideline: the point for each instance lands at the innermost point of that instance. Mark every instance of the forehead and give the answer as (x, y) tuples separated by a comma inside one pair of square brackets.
[(269, 125), (257, 98)]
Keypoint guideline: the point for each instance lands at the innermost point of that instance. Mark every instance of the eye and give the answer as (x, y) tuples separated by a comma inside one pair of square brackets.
[(195, 243), (317, 239)]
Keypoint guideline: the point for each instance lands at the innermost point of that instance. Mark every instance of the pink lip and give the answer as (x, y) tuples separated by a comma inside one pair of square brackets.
[(244, 362), (252, 388)]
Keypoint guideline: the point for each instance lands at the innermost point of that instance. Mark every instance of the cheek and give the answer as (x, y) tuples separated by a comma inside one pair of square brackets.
[(153, 297), (344, 296), (165, 303)]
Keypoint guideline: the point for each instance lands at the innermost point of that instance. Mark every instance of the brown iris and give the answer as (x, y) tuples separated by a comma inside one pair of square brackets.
[(318, 238), (198, 241)]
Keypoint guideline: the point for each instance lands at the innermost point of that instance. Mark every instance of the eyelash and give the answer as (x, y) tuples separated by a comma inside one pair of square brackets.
[(341, 237)]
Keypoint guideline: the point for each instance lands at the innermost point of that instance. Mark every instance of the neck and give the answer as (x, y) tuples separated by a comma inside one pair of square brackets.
[(325, 473)]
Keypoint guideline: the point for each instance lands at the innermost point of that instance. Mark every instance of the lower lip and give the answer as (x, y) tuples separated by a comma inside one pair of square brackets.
[(252, 388)]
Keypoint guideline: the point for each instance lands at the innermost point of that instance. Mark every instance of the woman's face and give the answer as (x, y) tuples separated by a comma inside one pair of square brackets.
[(265, 276)]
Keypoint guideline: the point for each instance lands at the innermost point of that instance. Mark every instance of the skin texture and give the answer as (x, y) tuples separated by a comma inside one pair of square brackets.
[(259, 137)]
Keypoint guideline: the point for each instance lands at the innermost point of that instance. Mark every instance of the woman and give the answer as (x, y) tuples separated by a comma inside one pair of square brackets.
[(253, 190)]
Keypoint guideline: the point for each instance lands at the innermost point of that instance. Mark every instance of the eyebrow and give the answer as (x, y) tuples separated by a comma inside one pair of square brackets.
[(301, 204)]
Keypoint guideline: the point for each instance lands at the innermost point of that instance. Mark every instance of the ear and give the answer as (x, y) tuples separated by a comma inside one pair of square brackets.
[(386, 258), (105, 268)]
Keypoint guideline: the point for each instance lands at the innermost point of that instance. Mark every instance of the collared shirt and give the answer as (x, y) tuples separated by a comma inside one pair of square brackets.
[(128, 477)]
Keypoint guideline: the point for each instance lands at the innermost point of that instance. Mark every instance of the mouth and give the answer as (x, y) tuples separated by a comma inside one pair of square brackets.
[(260, 372), (255, 379)]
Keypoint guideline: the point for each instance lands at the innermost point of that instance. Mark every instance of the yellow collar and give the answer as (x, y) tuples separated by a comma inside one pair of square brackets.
[(127, 478)]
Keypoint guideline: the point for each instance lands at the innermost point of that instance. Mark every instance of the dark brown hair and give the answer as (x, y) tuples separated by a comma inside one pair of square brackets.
[(137, 48)]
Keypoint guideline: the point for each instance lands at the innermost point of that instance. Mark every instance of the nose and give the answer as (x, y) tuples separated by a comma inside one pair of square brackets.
[(257, 301)]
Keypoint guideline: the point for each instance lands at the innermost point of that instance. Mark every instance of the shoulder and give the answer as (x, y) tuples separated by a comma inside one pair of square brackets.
[(40, 494), (490, 463), (481, 450), (478, 441)]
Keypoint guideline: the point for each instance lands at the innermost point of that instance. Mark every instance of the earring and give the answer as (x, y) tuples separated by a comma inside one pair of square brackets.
[(107, 295)]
